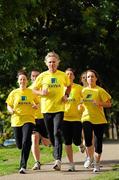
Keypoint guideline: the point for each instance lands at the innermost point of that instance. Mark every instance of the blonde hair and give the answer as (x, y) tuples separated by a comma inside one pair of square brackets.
[(52, 54)]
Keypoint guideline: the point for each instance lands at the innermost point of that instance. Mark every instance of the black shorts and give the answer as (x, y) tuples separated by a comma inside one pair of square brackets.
[(72, 132), (40, 127)]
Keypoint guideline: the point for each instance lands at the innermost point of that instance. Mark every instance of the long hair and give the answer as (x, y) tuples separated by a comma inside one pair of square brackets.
[(98, 82)]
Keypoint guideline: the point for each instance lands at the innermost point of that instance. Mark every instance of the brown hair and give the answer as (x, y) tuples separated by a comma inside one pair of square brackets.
[(70, 69), (22, 72), (98, 82)]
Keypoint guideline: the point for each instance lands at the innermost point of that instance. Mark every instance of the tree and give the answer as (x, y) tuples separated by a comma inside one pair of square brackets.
[(84, 33)]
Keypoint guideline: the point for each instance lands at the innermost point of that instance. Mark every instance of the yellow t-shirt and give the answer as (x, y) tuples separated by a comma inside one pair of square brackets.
[(21, 101), (93, 113), (71, 106), (55, 83), (38, 114)]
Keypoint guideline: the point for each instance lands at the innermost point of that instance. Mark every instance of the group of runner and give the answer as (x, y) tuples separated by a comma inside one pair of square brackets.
[(54, 107)]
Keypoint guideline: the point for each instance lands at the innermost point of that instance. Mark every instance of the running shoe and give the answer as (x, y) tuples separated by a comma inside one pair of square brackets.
[(57, 165), (96, 167), (71, 168), (88, 162), (22, 171), (36, 166)]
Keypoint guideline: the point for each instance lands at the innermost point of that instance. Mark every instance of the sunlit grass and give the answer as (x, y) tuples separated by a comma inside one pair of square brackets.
[(111, 175), (10, 157)]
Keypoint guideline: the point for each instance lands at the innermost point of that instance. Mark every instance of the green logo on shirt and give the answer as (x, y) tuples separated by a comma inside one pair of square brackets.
[(54, 83), (23, 98), (89, 96), (53, 80)]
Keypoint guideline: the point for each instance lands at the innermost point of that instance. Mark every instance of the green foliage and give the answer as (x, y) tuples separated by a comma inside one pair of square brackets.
[(84, 33)]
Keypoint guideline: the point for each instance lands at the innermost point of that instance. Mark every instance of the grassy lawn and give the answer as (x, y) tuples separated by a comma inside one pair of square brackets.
[(10, 156), (9, 162), (112, 175)]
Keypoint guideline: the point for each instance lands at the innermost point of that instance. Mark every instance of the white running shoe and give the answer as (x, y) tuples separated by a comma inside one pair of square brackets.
[(88, 162), (22, 171), (57, 165), (36, 166), (71, 168), (96, 167)]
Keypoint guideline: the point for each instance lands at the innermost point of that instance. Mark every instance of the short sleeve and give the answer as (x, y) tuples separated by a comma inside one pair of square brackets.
[(104, 95), (10, 99)]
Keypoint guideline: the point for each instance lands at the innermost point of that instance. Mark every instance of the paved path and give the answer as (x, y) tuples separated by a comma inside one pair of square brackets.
[(110, 157)]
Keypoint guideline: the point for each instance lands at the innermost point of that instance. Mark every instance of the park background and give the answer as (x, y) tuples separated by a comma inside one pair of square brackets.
[(85, 34)]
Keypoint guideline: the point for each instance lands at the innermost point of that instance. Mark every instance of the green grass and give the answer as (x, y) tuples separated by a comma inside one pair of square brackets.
[(9, 162), (10, 157), (112, 175)]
